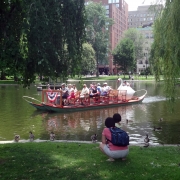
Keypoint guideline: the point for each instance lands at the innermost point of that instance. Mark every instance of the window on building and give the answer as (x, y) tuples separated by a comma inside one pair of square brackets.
[(117, 5), (107, 6), (117, 1)]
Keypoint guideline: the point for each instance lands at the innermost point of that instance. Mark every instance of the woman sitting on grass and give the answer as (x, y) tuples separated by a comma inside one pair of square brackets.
[(112, 151)]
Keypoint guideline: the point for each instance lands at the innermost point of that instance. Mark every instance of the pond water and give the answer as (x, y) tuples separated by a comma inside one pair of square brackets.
[(18, 117)]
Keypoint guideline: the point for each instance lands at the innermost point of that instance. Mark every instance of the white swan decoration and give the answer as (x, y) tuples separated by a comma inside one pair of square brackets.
[(129, 91)]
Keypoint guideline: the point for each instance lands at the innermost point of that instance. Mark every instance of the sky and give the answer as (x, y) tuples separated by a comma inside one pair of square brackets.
[(133, 4)]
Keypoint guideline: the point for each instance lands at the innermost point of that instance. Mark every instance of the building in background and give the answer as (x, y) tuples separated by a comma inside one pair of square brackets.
[(144, 16), (118, 11), (143, 63), (142, 20)]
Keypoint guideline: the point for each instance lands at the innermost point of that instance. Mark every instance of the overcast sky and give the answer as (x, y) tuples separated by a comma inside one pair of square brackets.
[(133, 4)]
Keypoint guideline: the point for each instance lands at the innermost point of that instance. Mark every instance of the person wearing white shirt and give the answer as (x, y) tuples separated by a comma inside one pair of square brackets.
[(84, 92), (105, 89)]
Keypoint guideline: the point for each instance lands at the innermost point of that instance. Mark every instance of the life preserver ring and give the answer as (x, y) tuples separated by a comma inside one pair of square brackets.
[(52, 96)]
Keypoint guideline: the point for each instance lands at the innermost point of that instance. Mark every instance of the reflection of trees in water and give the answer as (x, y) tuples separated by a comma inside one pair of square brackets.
[(80, 125)]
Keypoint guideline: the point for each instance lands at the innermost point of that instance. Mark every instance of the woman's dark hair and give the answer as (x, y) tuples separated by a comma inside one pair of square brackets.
[(109, 122), (117, 117)]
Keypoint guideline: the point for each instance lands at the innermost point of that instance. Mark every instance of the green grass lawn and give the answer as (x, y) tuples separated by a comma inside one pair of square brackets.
[(7, 82), (126, 77), (66, 161)]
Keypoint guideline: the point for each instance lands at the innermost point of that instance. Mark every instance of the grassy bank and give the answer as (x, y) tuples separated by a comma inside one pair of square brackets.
[(126, 77), (66, 161), (7, 82), (101, 78)]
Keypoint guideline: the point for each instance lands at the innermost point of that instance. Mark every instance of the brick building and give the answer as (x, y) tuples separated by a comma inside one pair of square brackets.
[(118, 11)]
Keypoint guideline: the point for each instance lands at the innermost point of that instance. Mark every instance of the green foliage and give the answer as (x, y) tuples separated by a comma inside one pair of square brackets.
[(42, 37), (88, 59), (11, 20), (166, 48), (138, 41), (124, 55), (97, 30)]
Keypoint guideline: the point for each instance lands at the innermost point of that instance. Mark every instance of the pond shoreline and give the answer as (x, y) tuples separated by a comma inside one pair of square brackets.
[(83, 142)]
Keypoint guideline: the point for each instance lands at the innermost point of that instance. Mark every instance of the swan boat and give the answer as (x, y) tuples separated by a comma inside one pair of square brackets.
[(52, 100)]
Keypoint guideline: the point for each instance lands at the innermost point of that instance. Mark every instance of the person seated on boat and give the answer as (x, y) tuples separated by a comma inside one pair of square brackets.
[(71, 93), (91, 87), (69, 88), (125, 83), (84, 92), (99, 88), (112, 151), (105, 89), (64, 91), (94, 93), (75, 89)]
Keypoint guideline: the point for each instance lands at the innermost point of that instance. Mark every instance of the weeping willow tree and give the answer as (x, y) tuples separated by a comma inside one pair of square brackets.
[(165, 53), (39, 37)]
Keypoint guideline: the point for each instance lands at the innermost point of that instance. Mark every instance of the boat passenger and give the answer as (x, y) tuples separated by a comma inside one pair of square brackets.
[(126, 83), (99, 87), (94, 93), (64, 91), (91, 87), (105, 89), (75, 89), (70, 88), (84, 92), (71, 95)]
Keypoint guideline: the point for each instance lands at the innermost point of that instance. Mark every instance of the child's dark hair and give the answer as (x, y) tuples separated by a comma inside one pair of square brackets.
[(117, 117), (109, 122)]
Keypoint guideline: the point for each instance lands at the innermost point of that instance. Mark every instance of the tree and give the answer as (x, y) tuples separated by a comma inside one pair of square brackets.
[(48, 41), (11, 21), (124, 55), (97, 30), (88, 59), (138, 41), (166, 48)]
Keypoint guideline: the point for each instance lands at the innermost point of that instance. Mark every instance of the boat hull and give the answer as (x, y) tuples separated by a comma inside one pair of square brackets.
[(113, 101), (66, 109), (40, 107)]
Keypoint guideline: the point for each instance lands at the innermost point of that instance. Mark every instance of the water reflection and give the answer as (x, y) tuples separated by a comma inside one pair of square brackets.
[(81, 125)]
